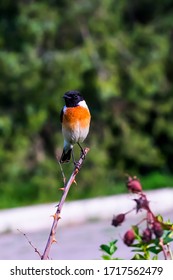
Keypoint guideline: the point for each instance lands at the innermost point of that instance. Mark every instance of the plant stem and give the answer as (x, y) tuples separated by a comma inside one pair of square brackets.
[(169, 252), (163, 249), (51, 238)]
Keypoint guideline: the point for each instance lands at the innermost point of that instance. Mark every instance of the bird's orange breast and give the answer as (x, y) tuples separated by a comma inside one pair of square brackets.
[(76, 115)]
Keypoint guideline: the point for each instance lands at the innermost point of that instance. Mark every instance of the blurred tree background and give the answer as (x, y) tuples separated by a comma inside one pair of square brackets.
[(119, 54)]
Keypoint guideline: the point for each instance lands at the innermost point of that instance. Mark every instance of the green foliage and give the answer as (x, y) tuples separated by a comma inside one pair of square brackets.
[(141, 249), (148, 237), (119, 55), (109, 249)]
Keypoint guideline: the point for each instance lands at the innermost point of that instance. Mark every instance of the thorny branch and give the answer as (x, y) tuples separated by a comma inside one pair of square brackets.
[(56, 216)]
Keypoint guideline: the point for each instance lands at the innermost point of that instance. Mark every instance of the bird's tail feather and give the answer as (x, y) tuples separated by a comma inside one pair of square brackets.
[(66, 156)]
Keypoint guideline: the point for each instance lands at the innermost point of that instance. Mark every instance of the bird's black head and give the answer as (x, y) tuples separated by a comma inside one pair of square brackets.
[(72, 98)]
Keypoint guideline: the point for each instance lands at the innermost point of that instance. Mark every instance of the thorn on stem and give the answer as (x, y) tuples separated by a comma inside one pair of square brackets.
[(53, 216), (77, 168), (74, 181), (54, 240), (56, 216)]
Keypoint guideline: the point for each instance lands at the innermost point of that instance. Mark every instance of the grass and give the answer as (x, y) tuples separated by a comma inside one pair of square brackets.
[(16, 196), (157, 180)]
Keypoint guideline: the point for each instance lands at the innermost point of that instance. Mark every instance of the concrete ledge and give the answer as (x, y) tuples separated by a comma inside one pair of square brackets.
[(34, 218)]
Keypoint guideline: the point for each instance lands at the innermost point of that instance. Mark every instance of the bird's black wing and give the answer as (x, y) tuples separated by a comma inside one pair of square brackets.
[(61, 115)]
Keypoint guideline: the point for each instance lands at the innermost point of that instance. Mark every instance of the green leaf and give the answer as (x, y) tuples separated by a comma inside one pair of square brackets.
[(137, 250), (137, 245), (159, 218), (155, 250), (105, 248), (138, 257), (106, 257), (136, 230), (117, 259), (113, 248), (113, 242), (167, 236), (109, 249), (167, 240)]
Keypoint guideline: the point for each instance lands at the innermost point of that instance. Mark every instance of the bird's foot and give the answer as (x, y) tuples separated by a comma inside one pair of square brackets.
[(77, 165)]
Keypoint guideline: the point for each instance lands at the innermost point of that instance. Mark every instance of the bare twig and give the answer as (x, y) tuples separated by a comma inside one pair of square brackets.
[(35, 249), (163, 249), (62, 172), (170, 255), (56, 216)]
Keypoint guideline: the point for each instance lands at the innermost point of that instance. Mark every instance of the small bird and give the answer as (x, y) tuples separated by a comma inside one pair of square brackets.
[(75, 118)]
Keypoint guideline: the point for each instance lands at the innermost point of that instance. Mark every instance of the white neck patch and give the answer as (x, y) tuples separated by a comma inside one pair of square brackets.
[(83, 104)]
